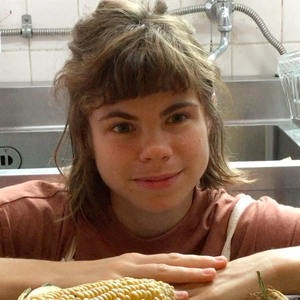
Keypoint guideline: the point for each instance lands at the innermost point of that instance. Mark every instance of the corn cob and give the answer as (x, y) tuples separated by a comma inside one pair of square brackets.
[(121, 289)]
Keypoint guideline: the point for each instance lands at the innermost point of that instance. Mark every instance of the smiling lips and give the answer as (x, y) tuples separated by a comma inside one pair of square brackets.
[(157, 182)]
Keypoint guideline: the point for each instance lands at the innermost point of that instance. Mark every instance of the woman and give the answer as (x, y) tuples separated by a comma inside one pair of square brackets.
[(148, 176)]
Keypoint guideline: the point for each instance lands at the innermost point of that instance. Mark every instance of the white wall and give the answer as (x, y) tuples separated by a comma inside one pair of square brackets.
[(249, 54)]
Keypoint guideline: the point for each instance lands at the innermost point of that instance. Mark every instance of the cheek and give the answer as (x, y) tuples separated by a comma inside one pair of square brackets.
[(201, 148), (102, 155), (105, 156), (107, 166), (199, 139), (195, 150), (111, 159), (204, 145)]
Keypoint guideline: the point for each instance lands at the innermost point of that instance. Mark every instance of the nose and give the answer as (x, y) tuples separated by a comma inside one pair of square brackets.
[(155, 147)]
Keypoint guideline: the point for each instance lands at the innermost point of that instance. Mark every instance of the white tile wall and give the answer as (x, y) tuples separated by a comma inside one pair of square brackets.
[(249, 54), (291, 23), (48, 62)]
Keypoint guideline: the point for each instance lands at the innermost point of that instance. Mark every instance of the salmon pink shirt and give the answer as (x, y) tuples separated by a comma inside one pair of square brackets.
[(35, 223)]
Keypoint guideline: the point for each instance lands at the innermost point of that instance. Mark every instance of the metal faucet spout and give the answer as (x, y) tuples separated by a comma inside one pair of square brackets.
[(224, 42), (220, 11)]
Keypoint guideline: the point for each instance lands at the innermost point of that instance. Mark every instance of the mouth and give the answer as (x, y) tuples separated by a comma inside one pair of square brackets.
[(157, 181)]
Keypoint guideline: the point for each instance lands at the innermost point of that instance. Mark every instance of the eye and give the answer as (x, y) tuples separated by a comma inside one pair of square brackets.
[(122, 128), (178, 118)]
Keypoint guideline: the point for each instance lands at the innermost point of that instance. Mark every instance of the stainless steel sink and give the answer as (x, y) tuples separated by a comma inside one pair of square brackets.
[(262, 142), (31, 124), (31, 149)]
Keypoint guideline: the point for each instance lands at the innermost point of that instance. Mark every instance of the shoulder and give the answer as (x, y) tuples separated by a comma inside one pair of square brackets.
[(266, 224), (214, 209), (34, 188), (269, 209), (270, 212), (218, 203), (29, 212), (37, 194)]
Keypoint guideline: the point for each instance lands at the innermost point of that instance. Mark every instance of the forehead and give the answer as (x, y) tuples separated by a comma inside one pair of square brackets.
[(158, 102)]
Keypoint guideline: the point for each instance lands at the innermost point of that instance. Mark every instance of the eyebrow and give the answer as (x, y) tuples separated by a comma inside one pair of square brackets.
[(130, 117), (177, 106), (119, 114)]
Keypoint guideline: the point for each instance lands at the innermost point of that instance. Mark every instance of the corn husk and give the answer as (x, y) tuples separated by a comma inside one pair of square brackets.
[(28, 293), (266, 292)]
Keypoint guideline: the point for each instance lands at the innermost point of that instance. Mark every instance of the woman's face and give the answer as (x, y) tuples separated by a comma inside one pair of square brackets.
[(151, 151)]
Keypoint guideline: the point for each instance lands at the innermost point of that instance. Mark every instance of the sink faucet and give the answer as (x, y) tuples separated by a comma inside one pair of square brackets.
[(220, 11)]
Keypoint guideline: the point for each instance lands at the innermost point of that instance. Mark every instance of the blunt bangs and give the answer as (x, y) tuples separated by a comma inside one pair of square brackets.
[(147, 64), (142, 59)]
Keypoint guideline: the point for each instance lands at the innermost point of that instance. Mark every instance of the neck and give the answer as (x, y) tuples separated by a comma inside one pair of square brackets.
[(147, 224)]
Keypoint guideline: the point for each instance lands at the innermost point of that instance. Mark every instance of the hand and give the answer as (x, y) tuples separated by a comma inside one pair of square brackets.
[(234, 282), (239, 278), (172, 268)]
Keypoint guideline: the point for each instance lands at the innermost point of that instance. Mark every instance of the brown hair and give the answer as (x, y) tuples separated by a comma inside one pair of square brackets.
[(123, 50)]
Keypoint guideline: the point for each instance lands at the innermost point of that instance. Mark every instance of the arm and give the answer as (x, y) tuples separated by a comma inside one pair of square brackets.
[(279, 268), (18, 274)]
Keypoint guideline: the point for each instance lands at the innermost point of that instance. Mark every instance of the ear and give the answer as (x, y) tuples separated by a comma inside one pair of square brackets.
[(214, 99)]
